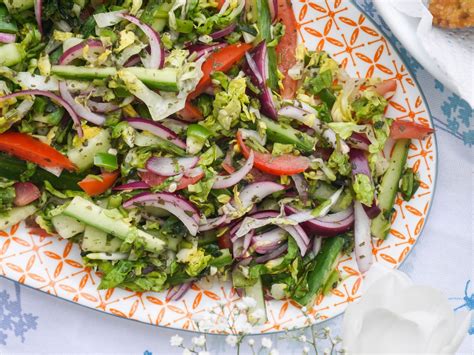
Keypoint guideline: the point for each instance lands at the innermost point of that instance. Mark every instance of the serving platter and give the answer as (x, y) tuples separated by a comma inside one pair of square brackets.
[(53, 265)]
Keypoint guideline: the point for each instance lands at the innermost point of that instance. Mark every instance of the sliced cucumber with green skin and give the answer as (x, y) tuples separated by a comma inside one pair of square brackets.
[(11, 54), (16, 215), (67, 227), (83, 156), (93, 239), (323, 266), (256, 292), (95, 216), (160, 79), (276, 132), (389, 188), (18, 5)]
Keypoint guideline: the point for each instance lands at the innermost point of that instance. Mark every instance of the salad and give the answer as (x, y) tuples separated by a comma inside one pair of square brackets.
[(174, 140)]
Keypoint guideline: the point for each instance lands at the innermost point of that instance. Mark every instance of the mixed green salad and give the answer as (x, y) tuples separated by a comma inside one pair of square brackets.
[(174, 140)]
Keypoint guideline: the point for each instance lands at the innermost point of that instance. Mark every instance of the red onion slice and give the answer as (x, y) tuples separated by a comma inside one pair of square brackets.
[(177, 292), (257, 191), (169, 166), (362, 238), (253, 67), (224, 32), (358, 141), (222, 182), (268, 241), (7, 37), (240, 247), (273, 255), (317, 242), (157, 129), (174, 204), (38, 5), (131, 186), (359, 162), (157, 52), (81, 110), (300, 237), (25, 193), (212, 223), (329, 225), (273, 7), (76, 51), (301, 186), (58, 99), (372, 211), (204, 49)]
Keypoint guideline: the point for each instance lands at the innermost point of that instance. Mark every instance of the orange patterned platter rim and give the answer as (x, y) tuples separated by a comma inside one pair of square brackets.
[(54, 266)]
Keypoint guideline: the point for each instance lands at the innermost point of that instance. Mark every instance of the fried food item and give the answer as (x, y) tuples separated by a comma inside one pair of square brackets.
[(452, 13)]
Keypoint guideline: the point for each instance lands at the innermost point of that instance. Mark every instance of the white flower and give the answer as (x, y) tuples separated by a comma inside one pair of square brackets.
[(251, 342), (242, 325), (266, 343), (304, 309), (257, 315), (305, 350), (176, 340), (302, 338), (204, 353), (419, 318), (274, 352), (326, 351), (199, 341), (187, 352), (232, 340)]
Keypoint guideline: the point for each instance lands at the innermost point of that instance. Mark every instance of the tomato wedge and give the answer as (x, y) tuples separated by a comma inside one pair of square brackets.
[(224, 241), (285, 164), (286, 48), (190, 113), (26, 147), (155, 180), (220, 60), (386, 88), (94, 187), (220, 3), (409, 130)]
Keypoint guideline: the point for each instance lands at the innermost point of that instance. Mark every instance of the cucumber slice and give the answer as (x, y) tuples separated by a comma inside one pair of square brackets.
[(15, 215), (95, 216), (11, 54), (112, 245), (67, 227), (94, 239), (389, 188), (83, 156), (256, 292), (160, 79), (288, 135), (18, 5)]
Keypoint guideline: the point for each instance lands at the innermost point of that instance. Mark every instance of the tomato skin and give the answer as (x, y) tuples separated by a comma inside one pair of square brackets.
[(286, 48), (386, 88), (285, 164), (224, 241), (155, 180), (220, 3), (26, 147), (220, 60), (190, 113), (94, 187), (409, 130)]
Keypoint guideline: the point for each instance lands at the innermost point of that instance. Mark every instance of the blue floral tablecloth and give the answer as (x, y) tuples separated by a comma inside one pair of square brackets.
[(33, 322)]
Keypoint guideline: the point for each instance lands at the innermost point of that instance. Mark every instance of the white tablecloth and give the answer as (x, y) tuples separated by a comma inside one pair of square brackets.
[(33, 322)]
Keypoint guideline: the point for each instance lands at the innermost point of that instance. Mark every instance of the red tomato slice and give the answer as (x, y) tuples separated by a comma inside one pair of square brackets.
[(155, 180), (224, 241), (285, 164), (26, 147), (220, 3), (409, 130), (220, 60), (286, 48), (190, 113), (94, 187), (386, 88)]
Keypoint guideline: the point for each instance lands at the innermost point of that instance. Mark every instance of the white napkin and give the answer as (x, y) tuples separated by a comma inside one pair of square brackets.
[(452, 51)]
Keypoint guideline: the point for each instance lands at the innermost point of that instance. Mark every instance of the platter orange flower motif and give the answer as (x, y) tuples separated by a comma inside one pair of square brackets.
[(52, 265)]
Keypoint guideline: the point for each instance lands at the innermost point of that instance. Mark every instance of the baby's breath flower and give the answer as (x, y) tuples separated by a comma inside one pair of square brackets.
[(305, 350), (187, 352), (232, 340), (241, 324), (302, 338), (266, 343), (176, 340), (199, 341), (304, 309), (204, 353), (258, 314), (249, 302), (274, 352), (327, 351), (251, 342)]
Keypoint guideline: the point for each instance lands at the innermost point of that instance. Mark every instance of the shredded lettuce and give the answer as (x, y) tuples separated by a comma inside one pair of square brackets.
[(364, 189)]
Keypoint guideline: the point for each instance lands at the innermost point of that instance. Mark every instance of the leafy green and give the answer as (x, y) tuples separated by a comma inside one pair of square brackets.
[(7, 195), (370, 104), (340, 162), (195, 260), (116, 275), (410, 182), (364, 189)]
